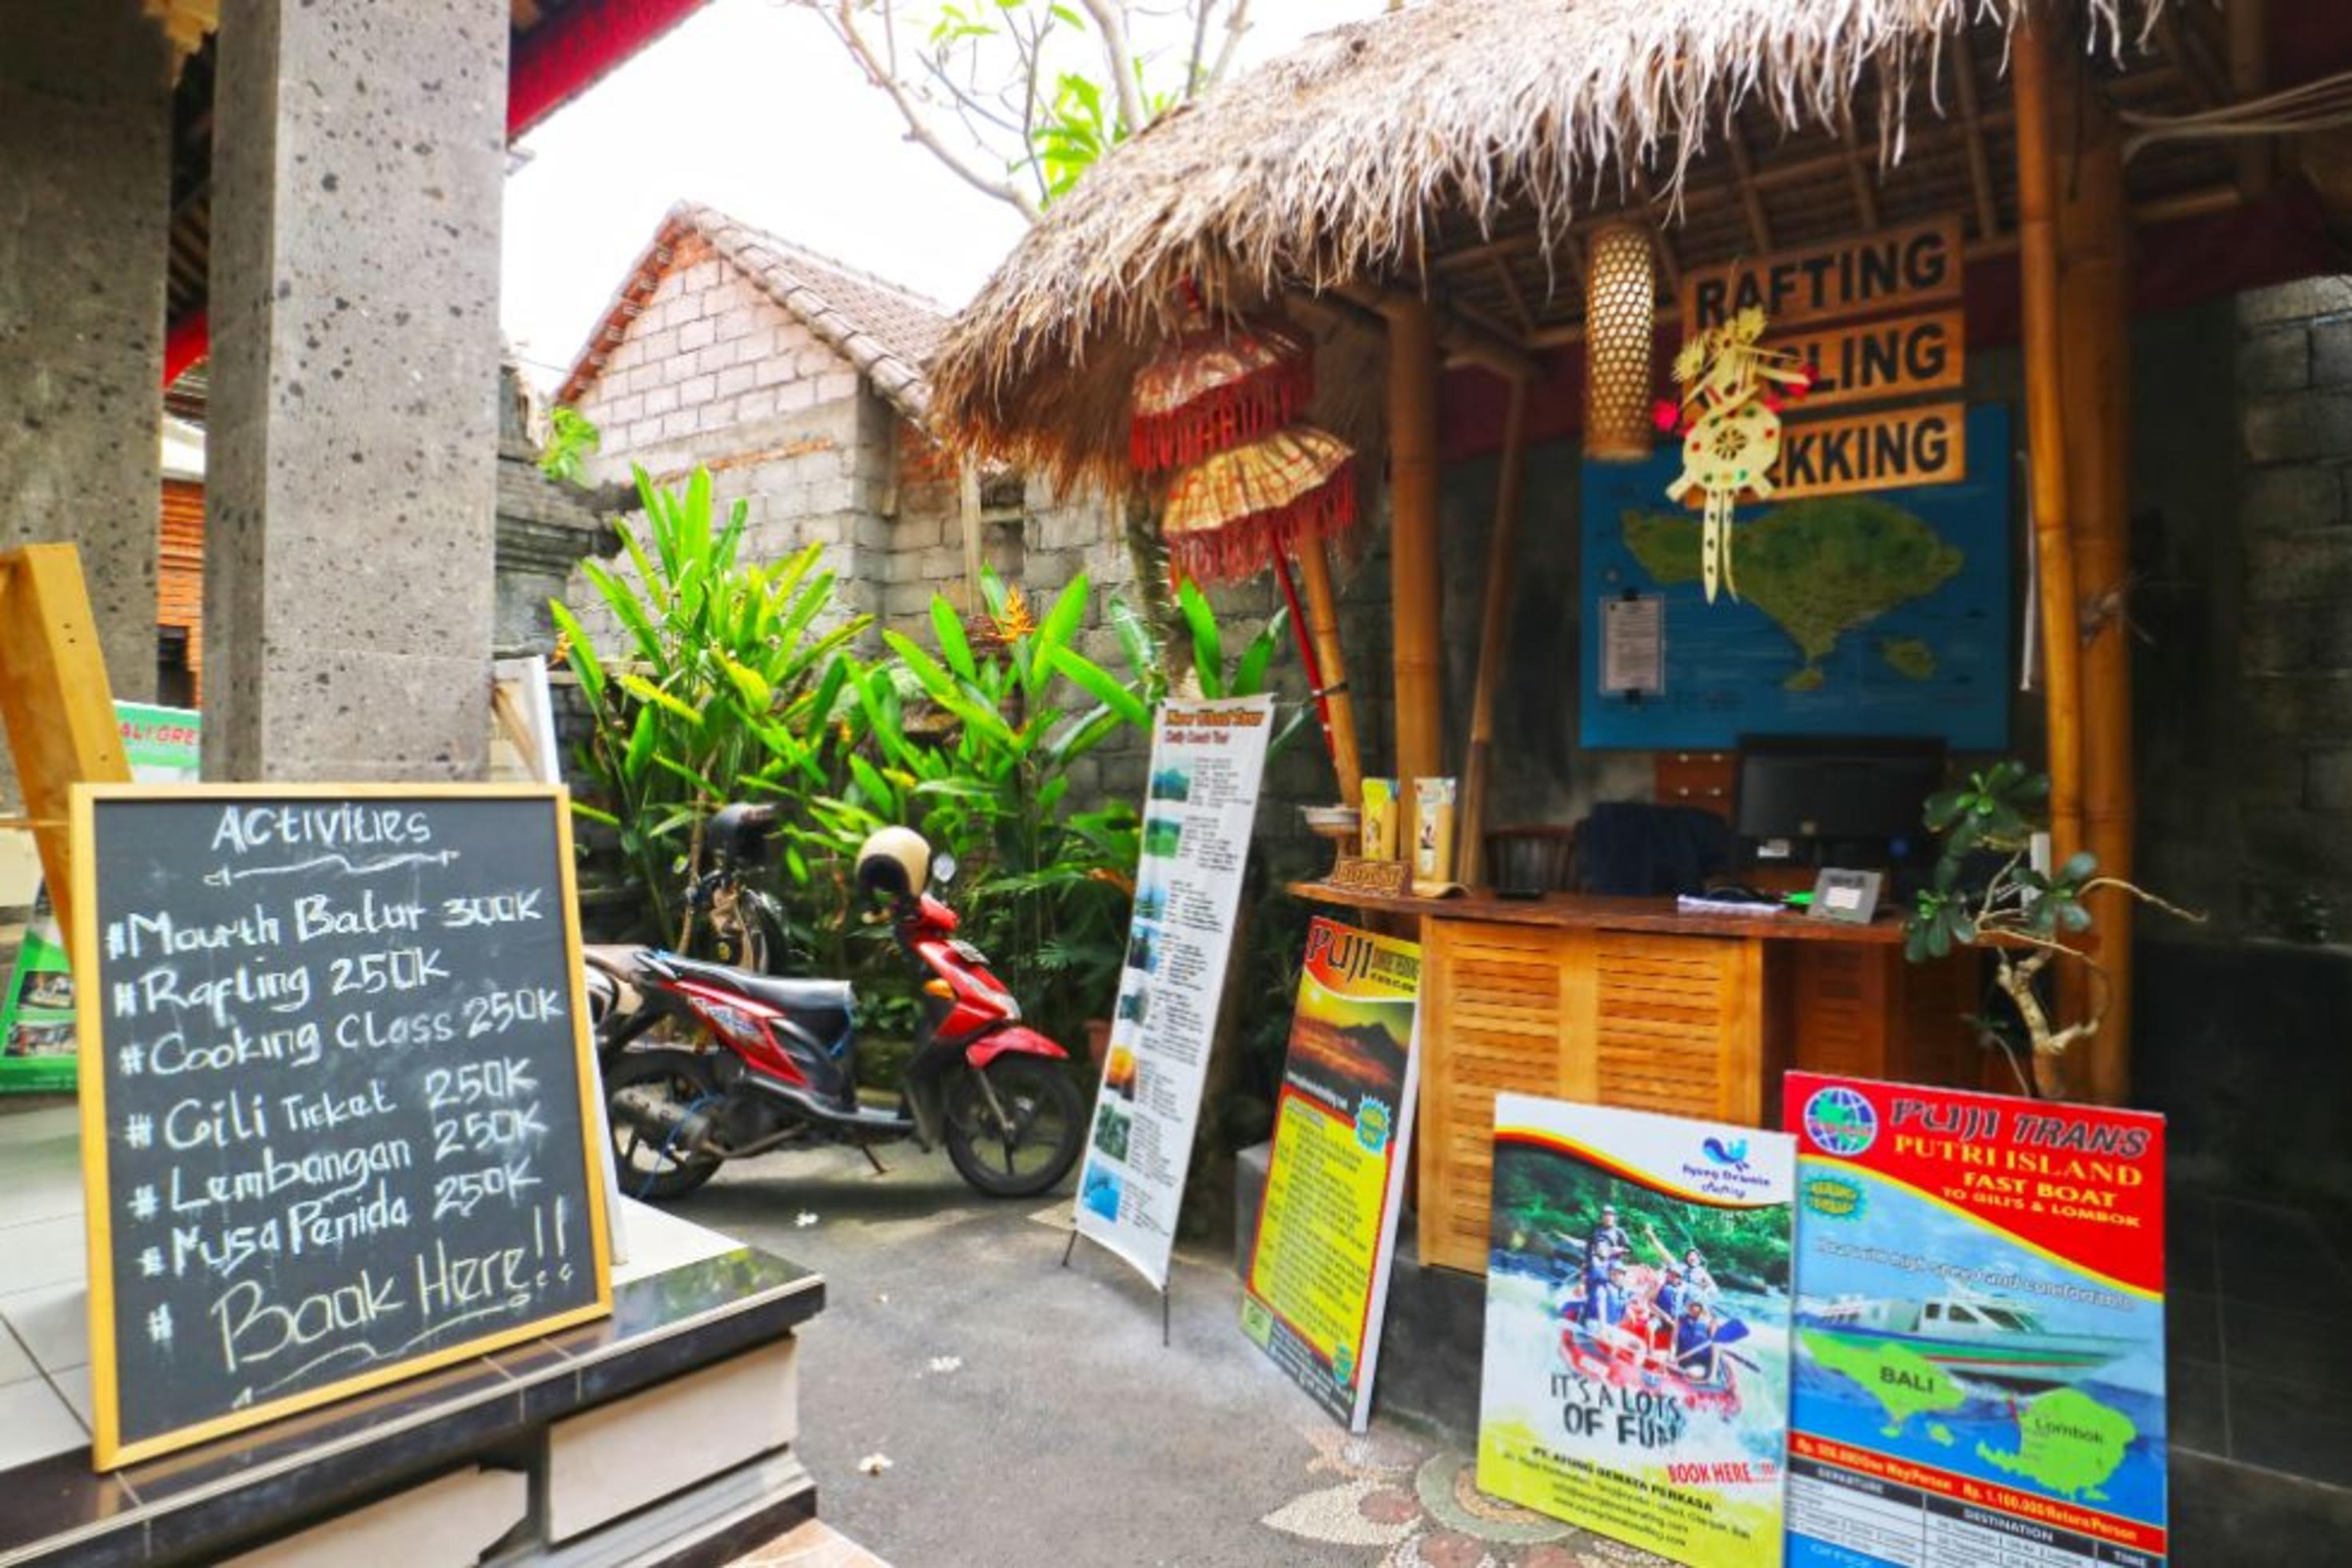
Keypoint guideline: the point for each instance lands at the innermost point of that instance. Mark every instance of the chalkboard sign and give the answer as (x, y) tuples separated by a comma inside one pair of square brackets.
[(334, 1082)]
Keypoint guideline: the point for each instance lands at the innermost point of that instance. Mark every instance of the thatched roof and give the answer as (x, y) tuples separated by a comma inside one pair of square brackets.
[(1385, 150)]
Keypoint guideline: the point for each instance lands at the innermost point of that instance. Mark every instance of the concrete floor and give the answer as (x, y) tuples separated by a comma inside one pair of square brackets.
[(1066, 1434)]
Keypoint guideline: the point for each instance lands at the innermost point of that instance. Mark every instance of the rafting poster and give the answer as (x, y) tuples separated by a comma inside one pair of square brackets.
[(1318, 1270), (1637, 1377), (1979, 1364)]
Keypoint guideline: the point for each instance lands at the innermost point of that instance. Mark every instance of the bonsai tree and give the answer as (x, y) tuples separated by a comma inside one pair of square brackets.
[(2027, 917)]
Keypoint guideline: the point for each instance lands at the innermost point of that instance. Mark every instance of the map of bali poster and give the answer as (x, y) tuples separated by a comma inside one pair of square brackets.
[(1318, 1270), (1980, 1371), (1879, 613), (1636, 1376)]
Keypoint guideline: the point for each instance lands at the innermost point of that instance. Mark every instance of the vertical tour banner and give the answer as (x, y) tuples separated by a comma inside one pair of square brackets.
[(1980, 1362), (1318, 1270), (1637, 1328), (37, 1008), (1207, 759)]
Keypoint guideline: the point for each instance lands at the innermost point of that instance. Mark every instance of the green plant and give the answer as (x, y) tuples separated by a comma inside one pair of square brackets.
[(729, 680), (571, 439), (974, 744), (2026, 917)]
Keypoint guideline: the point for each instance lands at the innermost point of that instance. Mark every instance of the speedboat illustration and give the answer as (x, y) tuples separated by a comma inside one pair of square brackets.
[(1975, 1337)]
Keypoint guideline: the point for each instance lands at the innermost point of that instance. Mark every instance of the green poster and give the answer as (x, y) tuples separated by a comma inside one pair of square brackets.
[(36, 1009)]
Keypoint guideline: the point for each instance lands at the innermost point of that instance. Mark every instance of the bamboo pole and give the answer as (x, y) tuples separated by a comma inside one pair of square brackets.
[(1414, 583), (1332, 667), (2037, 262), (2095, 368), (1494, 632)]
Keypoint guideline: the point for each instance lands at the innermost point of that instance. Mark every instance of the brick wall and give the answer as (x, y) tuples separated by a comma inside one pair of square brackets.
[(2292, 752), (714, 372)]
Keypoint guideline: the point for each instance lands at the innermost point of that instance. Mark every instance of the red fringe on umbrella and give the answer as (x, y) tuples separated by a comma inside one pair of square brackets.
[(1223, 417), (1244, 547)]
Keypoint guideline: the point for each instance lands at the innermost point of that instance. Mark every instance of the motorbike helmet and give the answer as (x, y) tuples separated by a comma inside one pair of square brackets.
[(894, 863)]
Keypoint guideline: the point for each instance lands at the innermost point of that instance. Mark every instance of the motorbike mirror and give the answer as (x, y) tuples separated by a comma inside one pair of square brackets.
[(943, 868)]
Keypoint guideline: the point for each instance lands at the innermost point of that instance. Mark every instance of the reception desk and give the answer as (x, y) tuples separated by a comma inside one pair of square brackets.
[(1629, 1002)]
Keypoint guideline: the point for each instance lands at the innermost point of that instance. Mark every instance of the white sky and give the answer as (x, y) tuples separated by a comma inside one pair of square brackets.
[(753, 108)]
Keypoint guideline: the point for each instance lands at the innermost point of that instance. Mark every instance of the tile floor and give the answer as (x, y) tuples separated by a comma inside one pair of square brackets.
[(2260, 1359)]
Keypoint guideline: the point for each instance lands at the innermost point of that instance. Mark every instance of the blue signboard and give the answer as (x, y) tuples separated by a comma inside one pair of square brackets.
[(1880, 614)]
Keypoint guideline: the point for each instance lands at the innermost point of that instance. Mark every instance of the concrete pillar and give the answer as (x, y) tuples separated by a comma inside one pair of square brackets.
[(85, 195), (359, 153)]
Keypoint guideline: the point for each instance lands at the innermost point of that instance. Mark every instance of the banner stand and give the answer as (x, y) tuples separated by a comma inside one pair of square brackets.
[(1165, 1290), (1208, 758)]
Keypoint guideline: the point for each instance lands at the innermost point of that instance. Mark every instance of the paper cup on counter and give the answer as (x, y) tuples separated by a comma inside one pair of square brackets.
[(1379, 819)]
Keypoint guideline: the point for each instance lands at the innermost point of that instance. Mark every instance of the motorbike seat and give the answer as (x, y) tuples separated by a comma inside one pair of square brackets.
[(800, 995), (796, 996)]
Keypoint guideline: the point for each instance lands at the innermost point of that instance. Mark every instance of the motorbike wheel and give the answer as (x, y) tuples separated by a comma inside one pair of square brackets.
[(647, 1169), (1046, 1118)]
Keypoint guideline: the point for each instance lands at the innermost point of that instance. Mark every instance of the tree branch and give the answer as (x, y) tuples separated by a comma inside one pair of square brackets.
[(1236, 23), (1111, 18), (842, 23)]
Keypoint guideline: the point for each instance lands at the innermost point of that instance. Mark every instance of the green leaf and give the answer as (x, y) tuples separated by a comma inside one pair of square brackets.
[(642, 737), (2079, 868), (583, 655), (1208, 647), (758, 695), (1103, 685), (582, 808), (1249, 676), (637, 685), (1069, 609), (948, 626)]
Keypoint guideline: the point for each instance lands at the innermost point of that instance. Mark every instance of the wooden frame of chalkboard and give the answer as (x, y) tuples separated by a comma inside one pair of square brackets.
[(443, 1284)]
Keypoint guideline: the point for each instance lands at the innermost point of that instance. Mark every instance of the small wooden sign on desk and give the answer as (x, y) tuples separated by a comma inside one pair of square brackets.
[(337, 1101), (1386, 878)]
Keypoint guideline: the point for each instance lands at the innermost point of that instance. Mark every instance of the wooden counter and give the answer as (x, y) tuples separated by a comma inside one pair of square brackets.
[(1630, 1002)]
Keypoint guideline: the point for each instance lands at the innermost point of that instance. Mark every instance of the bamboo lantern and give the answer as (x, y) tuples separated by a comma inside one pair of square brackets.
[(1620, 309)]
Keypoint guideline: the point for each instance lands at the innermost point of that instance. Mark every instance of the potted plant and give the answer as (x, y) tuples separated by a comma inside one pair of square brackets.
[(1986, 891)]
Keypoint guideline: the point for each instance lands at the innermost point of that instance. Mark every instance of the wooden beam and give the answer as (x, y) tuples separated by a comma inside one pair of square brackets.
[(2249, 51), (1457, 335), (968, 524), (1670, 267), (1964, 82), (55, 706), (2199, 203), (2189, 57), (1493, 633), (1416, 570), (1858, 174), (2054, 542), (1510, 284), (1331, 664), (1760, 228), (2094, 365)]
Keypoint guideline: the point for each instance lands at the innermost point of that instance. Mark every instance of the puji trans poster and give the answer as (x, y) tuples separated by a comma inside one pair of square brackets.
[(1637, 1377), (1318, 1269), (1979, 1364)]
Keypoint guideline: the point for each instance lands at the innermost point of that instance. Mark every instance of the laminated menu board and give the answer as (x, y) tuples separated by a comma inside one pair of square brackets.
[(1980, 1333), (1317, 1281), (335, 1088), (1207, 760)]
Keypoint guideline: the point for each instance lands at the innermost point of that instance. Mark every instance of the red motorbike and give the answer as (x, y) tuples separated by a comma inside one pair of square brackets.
[(772, 1061)]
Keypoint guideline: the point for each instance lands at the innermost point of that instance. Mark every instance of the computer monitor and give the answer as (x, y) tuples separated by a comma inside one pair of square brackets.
[(1836, 800)]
